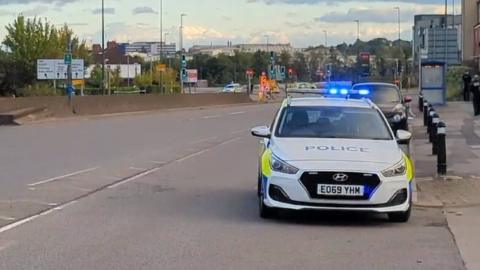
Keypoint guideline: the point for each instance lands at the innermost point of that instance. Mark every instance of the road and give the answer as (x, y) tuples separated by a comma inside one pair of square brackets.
[(176, 190)]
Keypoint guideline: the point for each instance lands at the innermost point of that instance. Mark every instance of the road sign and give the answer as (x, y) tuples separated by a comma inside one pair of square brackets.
[(56, 69), (45, 69), (67, 59), (192, 76)]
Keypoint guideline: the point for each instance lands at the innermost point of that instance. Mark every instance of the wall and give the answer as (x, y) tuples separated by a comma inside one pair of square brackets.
[(94, 105)]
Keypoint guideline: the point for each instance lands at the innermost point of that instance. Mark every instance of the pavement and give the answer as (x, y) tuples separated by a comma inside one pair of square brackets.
[(457, 192), (176, 190)]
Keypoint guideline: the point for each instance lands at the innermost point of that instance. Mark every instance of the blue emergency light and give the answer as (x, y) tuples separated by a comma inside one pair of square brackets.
[(333, 91)]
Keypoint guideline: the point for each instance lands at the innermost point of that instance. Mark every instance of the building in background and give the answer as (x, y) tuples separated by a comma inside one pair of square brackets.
[(429, 38), (215, 50), (471, 31), (151, 49)]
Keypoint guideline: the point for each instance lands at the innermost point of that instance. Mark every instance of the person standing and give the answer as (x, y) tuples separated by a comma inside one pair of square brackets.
[(475, 88), (467, 80)]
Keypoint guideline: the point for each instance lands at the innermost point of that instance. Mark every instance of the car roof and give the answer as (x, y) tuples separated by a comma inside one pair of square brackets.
[(329, 102), (375, 83)]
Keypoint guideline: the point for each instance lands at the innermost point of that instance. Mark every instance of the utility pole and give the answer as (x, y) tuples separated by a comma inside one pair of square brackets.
[(103, 47)]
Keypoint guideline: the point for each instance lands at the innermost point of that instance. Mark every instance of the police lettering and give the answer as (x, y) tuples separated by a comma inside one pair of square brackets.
[(338, 148)]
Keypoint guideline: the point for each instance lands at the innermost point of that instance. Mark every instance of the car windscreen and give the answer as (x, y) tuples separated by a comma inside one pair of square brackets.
[(380, 94), (332, 122)]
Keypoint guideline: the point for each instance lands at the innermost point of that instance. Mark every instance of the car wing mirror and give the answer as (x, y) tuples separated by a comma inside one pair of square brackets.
[(403, 136), (262, 132)]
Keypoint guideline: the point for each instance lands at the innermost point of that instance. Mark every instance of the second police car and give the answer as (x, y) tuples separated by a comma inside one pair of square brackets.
[(333, 154)]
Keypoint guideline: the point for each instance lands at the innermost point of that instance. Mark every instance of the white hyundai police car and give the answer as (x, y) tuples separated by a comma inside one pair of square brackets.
[(333, 154)]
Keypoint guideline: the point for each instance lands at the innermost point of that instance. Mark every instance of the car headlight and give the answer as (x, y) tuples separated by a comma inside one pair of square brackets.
[(279, 165), (396, 170)]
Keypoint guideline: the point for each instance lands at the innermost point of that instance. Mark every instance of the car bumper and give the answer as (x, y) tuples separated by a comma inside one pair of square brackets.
[(287, 192)]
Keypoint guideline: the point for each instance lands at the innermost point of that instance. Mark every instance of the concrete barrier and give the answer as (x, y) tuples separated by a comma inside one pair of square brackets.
[(96, 105)]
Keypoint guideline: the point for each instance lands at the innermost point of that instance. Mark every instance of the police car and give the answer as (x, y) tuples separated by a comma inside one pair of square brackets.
[(333, 154)]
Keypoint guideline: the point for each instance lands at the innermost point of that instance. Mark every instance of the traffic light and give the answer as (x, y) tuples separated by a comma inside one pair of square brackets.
[(184, 74), (272, 56), (272, 71), (184, 61), (290, 72), (364, 64), (283, 72)]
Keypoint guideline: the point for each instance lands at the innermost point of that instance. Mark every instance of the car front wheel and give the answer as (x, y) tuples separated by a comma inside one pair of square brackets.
[(264, 211), (400, 217)]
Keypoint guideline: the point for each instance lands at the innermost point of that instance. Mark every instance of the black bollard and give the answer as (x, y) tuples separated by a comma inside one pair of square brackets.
[(425, 113), (442, 148), (429, 122), (434, 133), (420, 103)]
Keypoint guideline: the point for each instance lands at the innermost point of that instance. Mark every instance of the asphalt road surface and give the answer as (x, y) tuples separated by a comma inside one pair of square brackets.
[(176, 190)]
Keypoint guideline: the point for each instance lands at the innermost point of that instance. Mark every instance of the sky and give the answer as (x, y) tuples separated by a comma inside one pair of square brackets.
[(299, 22)]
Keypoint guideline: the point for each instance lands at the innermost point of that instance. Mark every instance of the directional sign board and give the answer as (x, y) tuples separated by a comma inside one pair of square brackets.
[(55, 69), (45, 69)]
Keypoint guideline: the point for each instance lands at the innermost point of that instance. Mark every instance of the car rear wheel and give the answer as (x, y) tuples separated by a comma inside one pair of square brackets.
[(400, 217)]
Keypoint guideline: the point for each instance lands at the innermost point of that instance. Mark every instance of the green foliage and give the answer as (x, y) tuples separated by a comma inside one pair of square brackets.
[(455, 82), (39, 89), (96, 76), (26, 41)]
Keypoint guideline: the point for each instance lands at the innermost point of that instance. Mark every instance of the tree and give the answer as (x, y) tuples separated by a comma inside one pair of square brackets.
[(96, 76), (284, 59), (300, 67), (28, 40)]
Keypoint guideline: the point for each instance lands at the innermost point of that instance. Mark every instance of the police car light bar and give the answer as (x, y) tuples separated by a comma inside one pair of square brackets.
[(329, 92)]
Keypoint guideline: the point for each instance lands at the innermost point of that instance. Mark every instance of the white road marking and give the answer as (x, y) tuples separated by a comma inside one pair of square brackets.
[(236, 113), (29, 219), (134, 177), (28, 201), (7, 218), (204, 140), (158, 162), (192, 155), (211, 116), (62, 177), (7, 245), (475, 146), (137, 169), (229, 141), (239, 131)]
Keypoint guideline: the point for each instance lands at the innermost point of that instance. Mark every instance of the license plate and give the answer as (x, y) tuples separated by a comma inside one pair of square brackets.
[(341, 190)]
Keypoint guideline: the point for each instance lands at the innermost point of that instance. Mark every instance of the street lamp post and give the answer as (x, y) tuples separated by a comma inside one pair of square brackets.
[(399, 70), (181, 50), (128, 71), (268, 42), (160, 81), (103, 47), (358, 29), (326, 38), (446, 32)]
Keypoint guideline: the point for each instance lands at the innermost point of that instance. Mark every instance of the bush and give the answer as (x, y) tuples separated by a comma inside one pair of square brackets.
[(39, 90), (455, 82)]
